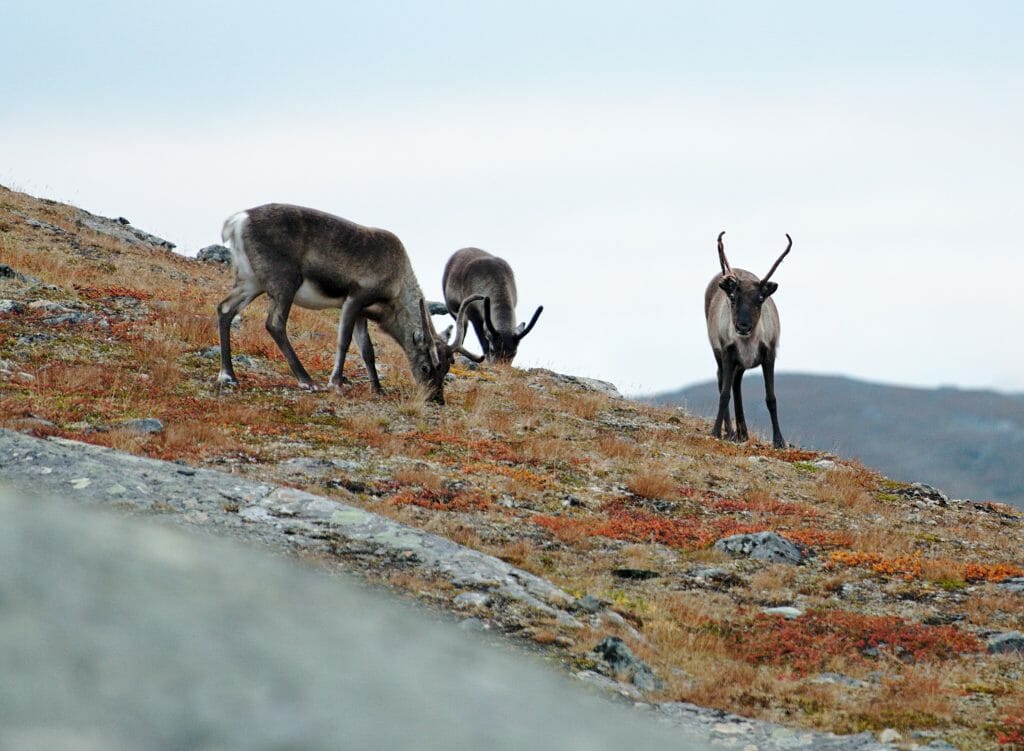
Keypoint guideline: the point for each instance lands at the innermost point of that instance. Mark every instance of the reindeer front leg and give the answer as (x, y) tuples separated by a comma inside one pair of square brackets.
[(350, 315)]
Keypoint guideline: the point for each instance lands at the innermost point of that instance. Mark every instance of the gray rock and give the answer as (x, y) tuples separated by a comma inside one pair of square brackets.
[(6, 272), (889, 735), (715, 576), (621, 660), (74, 318), (788, 613), (48, 306), (924, 490), (121, 229), (838, 679), (591, 384), (591, 604), (142, 425), (472, 600), (1006, 642), (1012, 585), (12, 307), (133, 635), (762, 546), (213, 353), (214, 254)]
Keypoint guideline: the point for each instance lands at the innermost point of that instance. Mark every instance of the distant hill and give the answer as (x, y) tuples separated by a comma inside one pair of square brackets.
[(969, 443)]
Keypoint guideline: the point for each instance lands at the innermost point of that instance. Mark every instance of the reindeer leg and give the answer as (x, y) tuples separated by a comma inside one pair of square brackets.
[(728, 421), (350, 316), (362, 336), (768, 367), (478, 327), (737, 403), (277, 320), (230, 307), (729, 365)]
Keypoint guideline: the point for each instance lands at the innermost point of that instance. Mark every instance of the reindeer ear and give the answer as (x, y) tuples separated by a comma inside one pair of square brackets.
[(768, 288), (446, 333), (728, 283)]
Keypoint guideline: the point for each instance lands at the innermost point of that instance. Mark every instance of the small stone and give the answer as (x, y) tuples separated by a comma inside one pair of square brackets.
[(824, 464), (48, 306), (142, 425), (620, 659), (473, 600), (1012, 585), (1006, 642), (788, 613), (80, 483), (636, 574), (762, 546), (214, 254), (889, 735), (12, 307), (472, 624), (590, 604), (713, 575), (838, 679)]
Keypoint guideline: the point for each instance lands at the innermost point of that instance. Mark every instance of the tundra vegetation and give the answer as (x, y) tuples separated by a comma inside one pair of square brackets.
[(897, 598)]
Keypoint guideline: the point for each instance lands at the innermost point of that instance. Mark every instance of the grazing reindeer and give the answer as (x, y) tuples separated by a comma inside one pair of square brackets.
[(315, 260), (472, 272), (743, 326)]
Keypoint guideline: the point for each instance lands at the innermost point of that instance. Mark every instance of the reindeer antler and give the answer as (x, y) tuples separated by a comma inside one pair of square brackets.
[(776, 264), (722, 260), (461, 330)]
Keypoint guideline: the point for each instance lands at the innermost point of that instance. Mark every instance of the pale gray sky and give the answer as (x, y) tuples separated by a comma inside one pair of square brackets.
[(599, 147)]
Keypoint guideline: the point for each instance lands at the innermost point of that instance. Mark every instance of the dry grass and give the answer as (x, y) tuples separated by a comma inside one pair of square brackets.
[(528, 468), (653, 481), (420, 476)]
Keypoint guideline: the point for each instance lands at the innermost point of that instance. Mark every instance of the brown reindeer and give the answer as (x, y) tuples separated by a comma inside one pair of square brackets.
[(743, 327), (315, 260)]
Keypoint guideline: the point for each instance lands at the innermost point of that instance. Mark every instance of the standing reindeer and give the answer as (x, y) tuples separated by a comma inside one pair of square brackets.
[(743, 326), (315, 260), (472, 273)]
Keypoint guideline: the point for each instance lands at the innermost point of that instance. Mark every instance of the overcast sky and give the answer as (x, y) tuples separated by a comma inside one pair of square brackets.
[(599, 147)]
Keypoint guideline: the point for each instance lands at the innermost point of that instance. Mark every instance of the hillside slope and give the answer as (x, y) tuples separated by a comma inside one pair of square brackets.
[(967, 442), (896, 616)]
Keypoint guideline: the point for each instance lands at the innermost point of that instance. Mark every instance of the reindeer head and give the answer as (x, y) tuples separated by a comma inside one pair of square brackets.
[(746, 294), (437, 355), (503, 344)]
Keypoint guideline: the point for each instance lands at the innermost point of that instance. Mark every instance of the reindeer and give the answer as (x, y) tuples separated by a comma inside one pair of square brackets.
[(743, 326), (472, 272), (315, 260)]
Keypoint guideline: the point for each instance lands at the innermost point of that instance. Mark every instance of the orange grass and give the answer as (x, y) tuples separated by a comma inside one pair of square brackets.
[(812, 641)]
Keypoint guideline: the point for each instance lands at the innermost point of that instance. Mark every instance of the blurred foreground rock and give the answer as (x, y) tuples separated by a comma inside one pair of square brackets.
[(118, 633)]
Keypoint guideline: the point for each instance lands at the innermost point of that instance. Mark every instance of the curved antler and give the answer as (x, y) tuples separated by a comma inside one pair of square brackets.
[(722, 260), (428, 333), (461, 330), (776, 264), (526, 330), (487, 316)]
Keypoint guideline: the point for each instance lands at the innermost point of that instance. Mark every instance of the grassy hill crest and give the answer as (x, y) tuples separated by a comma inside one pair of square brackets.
[(622, 501)]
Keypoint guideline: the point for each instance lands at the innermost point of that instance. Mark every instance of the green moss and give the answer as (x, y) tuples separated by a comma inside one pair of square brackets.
[(951, 585), (806, 467)]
